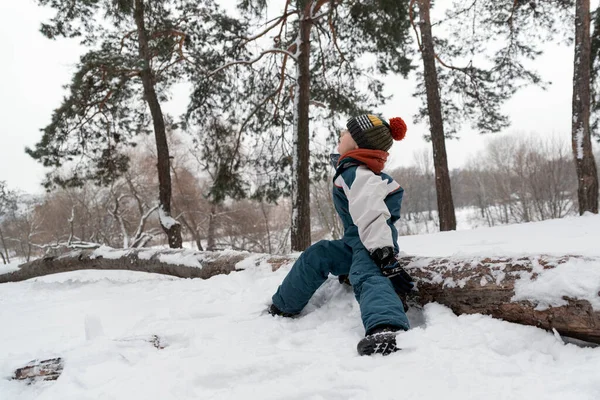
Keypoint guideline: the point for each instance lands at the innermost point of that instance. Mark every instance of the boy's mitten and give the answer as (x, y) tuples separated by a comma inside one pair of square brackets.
[(390, 268)]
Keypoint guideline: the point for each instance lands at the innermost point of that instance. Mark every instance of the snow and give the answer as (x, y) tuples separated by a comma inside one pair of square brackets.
[(579, 140), (220, 344), (578, 278), (570, 235), (147, 254), (10, 267), (186, 258), (253, 261), (108, 253), (165, 220)]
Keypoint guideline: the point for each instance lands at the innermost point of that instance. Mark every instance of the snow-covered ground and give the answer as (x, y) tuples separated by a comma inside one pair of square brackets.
[(221, 345)]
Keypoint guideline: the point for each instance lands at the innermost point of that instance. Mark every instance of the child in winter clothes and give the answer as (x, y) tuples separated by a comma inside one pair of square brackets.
[(368, 202)]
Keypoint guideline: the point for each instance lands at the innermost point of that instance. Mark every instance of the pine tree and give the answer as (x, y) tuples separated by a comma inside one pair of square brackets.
[(587, 174), (471, 73), (308, 68), (137, 50)]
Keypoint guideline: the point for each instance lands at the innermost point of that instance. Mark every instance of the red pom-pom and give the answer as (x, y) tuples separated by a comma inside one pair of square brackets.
[(398, 128)]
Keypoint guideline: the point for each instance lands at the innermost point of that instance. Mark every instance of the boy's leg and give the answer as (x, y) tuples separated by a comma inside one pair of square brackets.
[(379, 303), (309, 272)]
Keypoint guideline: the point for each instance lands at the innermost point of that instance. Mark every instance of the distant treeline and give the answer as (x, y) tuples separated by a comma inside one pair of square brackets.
[(514, 179)]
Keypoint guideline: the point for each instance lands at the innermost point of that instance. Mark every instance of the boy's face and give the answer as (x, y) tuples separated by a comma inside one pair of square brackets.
[(346, 142)]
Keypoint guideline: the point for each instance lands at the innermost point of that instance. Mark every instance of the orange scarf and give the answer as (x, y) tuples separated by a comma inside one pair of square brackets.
[(373, 159)]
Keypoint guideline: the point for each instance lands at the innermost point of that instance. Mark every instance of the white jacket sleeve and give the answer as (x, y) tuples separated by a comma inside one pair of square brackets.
[(366, 203)]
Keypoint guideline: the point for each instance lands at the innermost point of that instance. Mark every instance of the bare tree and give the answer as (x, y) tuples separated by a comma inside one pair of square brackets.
[(8, 205), (551, 179), (520, 179), (325, 217)]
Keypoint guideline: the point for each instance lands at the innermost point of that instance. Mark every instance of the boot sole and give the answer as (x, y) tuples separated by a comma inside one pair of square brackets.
[(381, 343)]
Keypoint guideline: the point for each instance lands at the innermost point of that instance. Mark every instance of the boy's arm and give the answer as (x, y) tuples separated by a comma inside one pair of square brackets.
[(366, 202)]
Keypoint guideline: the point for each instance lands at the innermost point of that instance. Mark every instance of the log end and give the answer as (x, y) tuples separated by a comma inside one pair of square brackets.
[(36, 371)]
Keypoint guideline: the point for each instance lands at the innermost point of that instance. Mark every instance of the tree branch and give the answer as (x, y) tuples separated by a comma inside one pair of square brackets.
[(412, 22), (279, 20), (250, 62), (139, 233)]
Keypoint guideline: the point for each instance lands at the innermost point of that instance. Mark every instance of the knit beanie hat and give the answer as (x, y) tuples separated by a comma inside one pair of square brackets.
[(372, 132)]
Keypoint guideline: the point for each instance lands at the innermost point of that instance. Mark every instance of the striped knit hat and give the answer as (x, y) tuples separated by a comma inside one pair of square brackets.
[(372, 132)]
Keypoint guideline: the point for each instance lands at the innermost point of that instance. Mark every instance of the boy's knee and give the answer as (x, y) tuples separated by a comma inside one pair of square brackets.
[(316, 249), (316, 257), (360, 278), (322, 246)]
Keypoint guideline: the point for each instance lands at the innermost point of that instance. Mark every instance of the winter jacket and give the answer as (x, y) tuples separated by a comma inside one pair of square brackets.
[(368, 204)]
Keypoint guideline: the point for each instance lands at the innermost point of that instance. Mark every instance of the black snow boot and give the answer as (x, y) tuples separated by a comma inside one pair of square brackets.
[(274, 311), (379, 340)]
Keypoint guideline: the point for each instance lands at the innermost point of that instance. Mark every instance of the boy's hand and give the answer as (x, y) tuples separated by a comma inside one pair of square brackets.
[(390, 268), (403, 283), (383, 256)]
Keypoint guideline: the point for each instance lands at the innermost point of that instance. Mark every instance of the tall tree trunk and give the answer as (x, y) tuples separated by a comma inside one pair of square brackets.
[(210, 240), (300, 232), (587, 174), (7, 258), (171, 227), (436, 125)]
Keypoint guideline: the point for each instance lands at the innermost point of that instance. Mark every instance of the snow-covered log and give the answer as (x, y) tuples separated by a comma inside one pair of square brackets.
[(36, 370), (174, 262), (549, 292)]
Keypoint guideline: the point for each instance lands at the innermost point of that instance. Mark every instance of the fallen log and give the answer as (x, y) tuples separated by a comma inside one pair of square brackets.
[(174, 262), (36, 370), (502, 287), (51, 369)]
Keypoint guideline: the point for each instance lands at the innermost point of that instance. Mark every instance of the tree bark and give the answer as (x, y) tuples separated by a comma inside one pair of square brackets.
[(210, 240), (35, 371), (173, 231), (300, 232), (587, 174), (436, 126), (468, 286), (7, 258), (487, 286), (139, 260)]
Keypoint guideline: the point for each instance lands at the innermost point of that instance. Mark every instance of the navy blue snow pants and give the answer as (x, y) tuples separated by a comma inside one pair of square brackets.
[(379, 304)]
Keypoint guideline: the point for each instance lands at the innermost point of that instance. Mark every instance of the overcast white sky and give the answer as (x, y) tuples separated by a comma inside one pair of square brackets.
[(34, 69)]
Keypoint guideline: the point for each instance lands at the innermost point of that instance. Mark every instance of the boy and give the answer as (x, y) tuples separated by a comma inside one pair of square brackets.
[(368, 202)]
